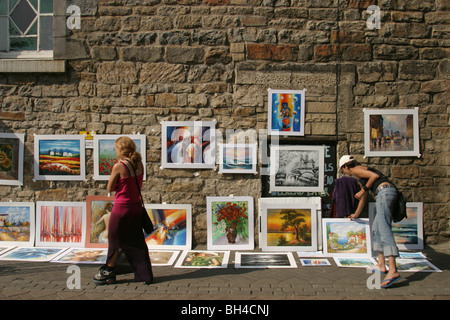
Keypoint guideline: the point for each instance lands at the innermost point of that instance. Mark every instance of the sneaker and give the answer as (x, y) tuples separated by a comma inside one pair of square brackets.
[(105, 275)]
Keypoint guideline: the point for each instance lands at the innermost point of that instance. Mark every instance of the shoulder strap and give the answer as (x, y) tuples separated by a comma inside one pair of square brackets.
[(135, 177)]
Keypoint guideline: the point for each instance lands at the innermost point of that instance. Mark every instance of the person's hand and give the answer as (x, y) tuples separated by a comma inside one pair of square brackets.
[(353, 216)]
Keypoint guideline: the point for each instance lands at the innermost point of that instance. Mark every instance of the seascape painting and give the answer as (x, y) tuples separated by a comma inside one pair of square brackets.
[(11, 158), (264, 260), (17, 223), (237, 158), (98, 213), (286, 112), (32, 254), (354, 262)]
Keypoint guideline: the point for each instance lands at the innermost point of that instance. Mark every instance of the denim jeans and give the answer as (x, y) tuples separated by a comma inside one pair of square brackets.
[(382, 238)]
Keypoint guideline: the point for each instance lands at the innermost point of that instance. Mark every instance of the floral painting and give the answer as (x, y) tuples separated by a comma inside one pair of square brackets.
[(286, 112), (98, 212), (11, 158), (230, 223), (17, 223)]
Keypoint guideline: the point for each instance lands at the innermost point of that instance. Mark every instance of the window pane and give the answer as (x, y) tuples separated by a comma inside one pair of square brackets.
[(19, 44), (3, 34), (46, 33), (46, 6), (34, 3), (3, 8), (23, 15)]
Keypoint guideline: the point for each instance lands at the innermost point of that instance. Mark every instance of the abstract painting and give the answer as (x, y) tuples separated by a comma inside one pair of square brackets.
[(188, 144), (230, 223), (264, 260), (203, 259), (163, 257), (17, 223), (297, 168), (98, 212), (391, 133), (346, 238), (105, 156), (60, 224), (315, 262), (59, 157), (81, 256), (11, 158), (286, 112), (32, 254), (173, 226), (237, 158)]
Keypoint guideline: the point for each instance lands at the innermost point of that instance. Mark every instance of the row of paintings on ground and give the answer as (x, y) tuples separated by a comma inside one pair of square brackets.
[(192, 145), (285, 224), (407, 261)]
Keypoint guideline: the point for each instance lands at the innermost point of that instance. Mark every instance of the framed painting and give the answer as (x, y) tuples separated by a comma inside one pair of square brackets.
[(203, 259), (105, 156), (288, 224), (408, 233), (297, 168), (286, 112), (11, 158), (98, 212), (32, 254), (59, 157), (230, 223), (188, 144), (173, 226), (416, 265), (17, 224), (391, 133), (237, 158), (264, 260), (346, 238), (355, 262), (315, 262), (163, 257), (60, 224), (82, 256)]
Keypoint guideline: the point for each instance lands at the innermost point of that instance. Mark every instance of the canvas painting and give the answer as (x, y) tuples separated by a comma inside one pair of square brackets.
[(188, 144), (173, 226), (408, 233), (59, 157), (32, 254), (230, 223), (11, 158), (264, 260), (82, 256), (286, 112), (237, 158), (163, 257), (416, 265), (355, 262), (289, 224), (98, 213), (297, 168), (345, 237), (203, 259), (60, 224), (17, 223), (315, 262), (105, 156), (391, 132)]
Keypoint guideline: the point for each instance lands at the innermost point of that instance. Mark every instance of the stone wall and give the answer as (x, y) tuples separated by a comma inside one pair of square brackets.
[(135, 63)]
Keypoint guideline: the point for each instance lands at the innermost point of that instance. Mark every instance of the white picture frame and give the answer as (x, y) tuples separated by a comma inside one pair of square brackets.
[(207, 259), (163, 257), (263, 260), (32, 254), (238, 158), (20, 219), (82, 256), (11, 166), (286, 112)]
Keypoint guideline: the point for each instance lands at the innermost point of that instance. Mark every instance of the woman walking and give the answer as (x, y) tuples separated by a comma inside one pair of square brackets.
[(125, 224), (383, 240)]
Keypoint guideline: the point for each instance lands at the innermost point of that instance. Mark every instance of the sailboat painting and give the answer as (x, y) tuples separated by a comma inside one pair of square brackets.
[(60, 224)]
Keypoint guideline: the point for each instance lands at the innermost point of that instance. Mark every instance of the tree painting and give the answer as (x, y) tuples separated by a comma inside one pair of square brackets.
[(289, 227)]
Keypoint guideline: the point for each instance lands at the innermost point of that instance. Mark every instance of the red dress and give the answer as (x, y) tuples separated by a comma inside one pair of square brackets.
[(125, 228)]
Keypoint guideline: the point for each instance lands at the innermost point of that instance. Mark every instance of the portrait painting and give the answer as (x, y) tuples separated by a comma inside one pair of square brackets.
[(286, 112), (391, 133), (11, 158), (82, 256), (203, 259), (264, 260), (59, 157), (17, 223), (98, 213), (188, 144), (230, 223), (237, 158)]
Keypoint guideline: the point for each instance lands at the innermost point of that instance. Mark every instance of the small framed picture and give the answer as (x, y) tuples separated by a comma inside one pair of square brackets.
[(265, 260), (17, 224), (203, 259), (11, 158), (237, 158), (286, 112)]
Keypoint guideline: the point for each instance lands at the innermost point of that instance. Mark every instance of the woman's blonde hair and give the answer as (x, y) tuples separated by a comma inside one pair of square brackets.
[(127, 149)]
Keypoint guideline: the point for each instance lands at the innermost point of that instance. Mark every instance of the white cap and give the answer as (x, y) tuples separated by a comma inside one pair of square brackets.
[(345, 159)]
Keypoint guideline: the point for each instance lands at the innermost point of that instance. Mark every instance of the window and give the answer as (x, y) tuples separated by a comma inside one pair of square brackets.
[(26, 28)]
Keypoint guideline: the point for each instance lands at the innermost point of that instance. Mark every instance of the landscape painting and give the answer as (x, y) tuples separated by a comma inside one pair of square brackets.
[(354, 262), (286, 112), (237, 158), (11, 158), (17, 223), (32, 254), (345, 237), (203, 259), (98, 213), (59, 157)]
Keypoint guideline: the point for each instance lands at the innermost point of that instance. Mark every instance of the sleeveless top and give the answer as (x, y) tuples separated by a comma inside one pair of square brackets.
[(126, 189), (382, 178)]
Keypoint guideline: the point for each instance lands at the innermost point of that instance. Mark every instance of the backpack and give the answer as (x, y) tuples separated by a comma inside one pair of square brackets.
[(400, 213)]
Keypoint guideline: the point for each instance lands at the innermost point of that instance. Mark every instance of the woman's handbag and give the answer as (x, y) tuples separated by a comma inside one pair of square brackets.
[(147, 223)]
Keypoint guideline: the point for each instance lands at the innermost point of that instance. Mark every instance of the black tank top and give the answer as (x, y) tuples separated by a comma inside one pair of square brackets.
[(382, 179)]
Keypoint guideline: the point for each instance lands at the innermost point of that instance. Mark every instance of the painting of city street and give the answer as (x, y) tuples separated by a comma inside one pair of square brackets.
[(391, 132), (297, 168), (345, 237)]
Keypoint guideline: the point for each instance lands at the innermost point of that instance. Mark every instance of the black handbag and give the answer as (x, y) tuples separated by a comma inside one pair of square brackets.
[(147, 223)]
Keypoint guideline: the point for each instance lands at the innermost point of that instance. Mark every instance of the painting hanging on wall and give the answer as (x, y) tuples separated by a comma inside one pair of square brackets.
[(11, 158), (203, 259), (17, 223), (391, 133), (286, 112), (82, 256), (237, 158), (32, 254), (59, 157), (98, 212), (230, 223), (105, 156), (264, 260), (297, 168), (173, 226), (288, 224), (188, 144), (60, 224), (345, 237), (408, 233)]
